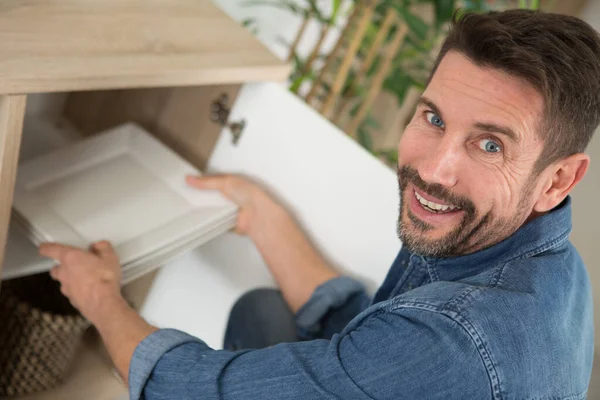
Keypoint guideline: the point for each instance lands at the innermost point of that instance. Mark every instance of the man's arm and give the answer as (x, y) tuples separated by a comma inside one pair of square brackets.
[(294, 262), (391, 353), (91, 280)]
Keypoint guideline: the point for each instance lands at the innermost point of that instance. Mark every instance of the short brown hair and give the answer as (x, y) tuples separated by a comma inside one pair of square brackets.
[(557, 55)]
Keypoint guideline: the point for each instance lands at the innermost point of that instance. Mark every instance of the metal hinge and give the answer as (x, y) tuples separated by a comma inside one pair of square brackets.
[(219, 113)]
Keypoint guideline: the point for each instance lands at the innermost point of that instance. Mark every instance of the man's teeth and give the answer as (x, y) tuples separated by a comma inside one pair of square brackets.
[(435, 206)]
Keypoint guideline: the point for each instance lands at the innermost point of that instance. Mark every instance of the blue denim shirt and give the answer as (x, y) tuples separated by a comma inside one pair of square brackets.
[(513, 321)]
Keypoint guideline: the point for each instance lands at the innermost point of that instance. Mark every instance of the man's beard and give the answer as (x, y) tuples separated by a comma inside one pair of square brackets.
[(475, 232)]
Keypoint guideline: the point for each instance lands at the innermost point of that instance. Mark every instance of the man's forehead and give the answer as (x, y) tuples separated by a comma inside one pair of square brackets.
[(470, 94)]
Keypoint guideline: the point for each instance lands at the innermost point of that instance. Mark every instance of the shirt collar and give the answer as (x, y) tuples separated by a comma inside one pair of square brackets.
[(540, 234)]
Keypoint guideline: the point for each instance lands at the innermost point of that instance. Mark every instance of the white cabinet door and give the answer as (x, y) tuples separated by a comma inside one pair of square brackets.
[(346, 200)]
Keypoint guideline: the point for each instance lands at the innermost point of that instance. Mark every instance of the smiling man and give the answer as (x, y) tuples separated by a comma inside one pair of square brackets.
[(487, 298)]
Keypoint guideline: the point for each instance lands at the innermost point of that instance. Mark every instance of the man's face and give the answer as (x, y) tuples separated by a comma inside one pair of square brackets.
[(466, 160)]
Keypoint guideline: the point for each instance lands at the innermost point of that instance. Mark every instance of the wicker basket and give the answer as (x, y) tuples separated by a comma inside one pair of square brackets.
[(39, 335)]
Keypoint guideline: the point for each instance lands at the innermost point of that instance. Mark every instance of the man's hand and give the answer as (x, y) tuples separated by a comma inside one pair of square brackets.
[(257, 208), (90, 279), (292, 259)]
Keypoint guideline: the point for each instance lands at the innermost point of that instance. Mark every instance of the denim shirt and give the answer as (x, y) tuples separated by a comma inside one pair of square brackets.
[(513, 321)]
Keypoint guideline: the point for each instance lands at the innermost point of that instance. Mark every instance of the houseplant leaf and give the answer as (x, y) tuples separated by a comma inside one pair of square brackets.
[(414, 22), (443, 11)]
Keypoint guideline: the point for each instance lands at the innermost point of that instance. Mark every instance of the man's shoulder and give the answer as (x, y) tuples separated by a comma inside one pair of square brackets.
[(530, 318)]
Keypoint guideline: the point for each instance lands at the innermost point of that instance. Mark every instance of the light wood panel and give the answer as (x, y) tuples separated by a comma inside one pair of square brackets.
[(68, 45), (179, 117), (349, 56), (378, 79), (12, 112), (333, 54)]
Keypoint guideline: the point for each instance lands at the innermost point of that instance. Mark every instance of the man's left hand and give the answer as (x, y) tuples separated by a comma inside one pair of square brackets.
[(90, 279)]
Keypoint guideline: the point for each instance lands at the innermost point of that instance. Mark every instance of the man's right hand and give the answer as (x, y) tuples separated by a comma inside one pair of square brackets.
[(292, 259)]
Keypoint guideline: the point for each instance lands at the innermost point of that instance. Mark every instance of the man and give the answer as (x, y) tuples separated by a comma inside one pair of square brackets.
[(487, 298)]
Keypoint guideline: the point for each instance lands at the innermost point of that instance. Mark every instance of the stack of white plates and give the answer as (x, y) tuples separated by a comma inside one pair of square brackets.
[(124, 186)]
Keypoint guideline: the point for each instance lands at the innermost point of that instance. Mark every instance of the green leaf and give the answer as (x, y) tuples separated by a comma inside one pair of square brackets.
[(295, 86), (472, 5), (371, 122), (414, 22), (443, 11), (398, 84), (390, 156), (535, 4), (364, 138), (337, 4), (316, 12), (522, 3), (298, 63), (248, 21), (250, 24), (420, 45)]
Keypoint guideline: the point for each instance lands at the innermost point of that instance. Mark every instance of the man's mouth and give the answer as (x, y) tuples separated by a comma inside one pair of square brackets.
[(437, 208)]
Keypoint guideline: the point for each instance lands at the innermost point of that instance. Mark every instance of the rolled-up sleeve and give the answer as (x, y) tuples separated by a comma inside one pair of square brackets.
[(331, 307), (379, 355)]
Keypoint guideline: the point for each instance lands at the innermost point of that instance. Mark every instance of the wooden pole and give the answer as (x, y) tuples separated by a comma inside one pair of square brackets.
[(342, 74), (388, 21), (315, 53), (378, 79), (386, 26), (332, 55), (298, 37)]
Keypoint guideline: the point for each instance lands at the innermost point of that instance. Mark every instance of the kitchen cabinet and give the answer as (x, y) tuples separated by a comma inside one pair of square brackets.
[(172, 66)]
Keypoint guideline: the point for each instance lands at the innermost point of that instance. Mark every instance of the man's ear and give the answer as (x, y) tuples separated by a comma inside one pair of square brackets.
[(561, 179)]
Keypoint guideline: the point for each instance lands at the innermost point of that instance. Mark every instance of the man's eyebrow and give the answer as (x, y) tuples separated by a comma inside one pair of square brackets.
[(498, 129), (425, 101), (484, 126)]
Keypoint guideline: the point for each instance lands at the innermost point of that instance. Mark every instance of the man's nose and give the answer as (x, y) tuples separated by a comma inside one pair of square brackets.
[(441, 164)]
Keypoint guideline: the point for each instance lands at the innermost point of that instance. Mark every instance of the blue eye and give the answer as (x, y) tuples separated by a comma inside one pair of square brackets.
[(489, 146), (434, 119)]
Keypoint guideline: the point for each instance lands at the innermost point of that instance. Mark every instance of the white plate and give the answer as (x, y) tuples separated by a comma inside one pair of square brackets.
[(142, 267), (123, 186), (226, 224), (22, 256)]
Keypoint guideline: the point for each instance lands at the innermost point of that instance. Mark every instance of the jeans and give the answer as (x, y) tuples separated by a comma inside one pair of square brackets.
[(260, 318)]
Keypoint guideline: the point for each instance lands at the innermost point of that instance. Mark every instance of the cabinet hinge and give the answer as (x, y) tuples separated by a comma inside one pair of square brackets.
[(219, 113)]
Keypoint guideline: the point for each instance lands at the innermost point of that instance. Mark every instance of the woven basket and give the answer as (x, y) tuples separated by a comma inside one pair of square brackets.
[(39, 335)]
